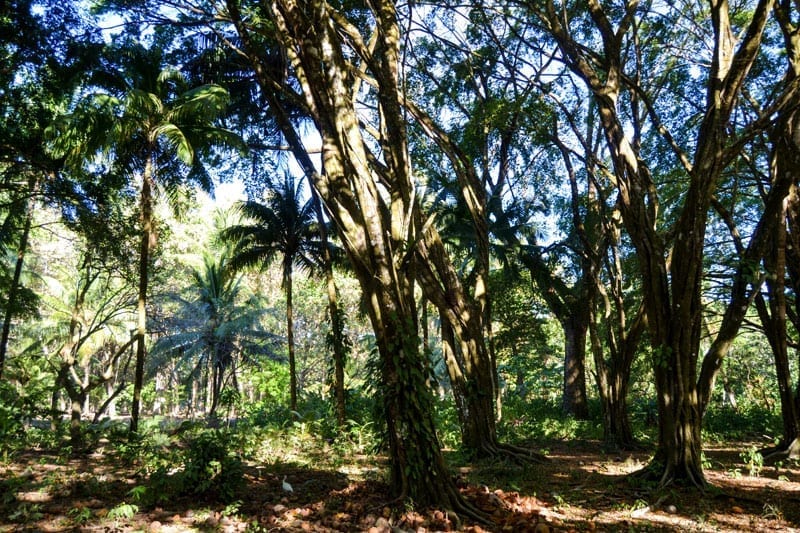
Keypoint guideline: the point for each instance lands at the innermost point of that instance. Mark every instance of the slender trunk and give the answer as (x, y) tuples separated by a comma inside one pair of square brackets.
[(490, 348), (469, 363), (457, 381), (141, 308), (287, 286), (55, 398), (745, 277), (426, 344), (793, 264), (613, 379), (13, 290), (214, 385)]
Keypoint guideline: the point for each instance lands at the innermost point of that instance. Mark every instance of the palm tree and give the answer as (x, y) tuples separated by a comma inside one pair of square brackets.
[(285, 227), (215, 329), (150, 123)]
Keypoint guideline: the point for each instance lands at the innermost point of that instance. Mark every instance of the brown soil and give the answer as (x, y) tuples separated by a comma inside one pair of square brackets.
[(579, 489)]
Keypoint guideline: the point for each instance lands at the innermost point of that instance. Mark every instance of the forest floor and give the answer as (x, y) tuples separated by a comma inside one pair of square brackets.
[(579, 489)]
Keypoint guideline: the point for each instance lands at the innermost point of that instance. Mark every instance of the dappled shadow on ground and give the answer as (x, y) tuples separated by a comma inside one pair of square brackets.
[(580, 488), (586, 489)]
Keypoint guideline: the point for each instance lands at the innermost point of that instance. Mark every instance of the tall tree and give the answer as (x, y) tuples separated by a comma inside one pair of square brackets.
[(671, 281), (283, 228), (38, 73), (473, 113), (216, 330), (785, 140), (372, 202), (151, 124)]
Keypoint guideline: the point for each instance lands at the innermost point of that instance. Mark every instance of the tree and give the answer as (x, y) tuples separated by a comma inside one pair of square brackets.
[(372, 203), (38, 73), (97, 307), (285, 228), (471, 113), (215, 330), (151, 123), (785, 140), (671, 281)]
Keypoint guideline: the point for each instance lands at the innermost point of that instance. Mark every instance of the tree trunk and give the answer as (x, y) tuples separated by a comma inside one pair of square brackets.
[(215, 384), (141, 306), (468, 362), (613, 379), (338, 340), (13, 290), (574, 394), (469, 435), (287, 286), (774, 324)]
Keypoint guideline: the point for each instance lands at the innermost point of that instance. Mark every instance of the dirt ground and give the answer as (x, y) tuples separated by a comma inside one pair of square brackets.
[(579, 489)]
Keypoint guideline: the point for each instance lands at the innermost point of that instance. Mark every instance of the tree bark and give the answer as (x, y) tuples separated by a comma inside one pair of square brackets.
[(287, 287), (672, 289), (574, 395), (338, 341), (613, 378), (147, 236)]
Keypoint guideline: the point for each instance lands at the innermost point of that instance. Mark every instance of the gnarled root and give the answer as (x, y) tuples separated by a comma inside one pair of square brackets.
[(517, 454)]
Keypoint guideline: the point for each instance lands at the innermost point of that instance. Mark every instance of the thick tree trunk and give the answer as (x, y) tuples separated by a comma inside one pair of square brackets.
[(141, 305), (574, 394), (76, 413), (407, 402)]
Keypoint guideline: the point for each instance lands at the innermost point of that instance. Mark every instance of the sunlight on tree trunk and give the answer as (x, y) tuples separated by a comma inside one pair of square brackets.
[(145, 245)]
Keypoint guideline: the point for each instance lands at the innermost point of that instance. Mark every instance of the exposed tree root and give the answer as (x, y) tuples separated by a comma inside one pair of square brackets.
[(781, 452), (464, 509), (451, 500), (517, 454), (666, 476)]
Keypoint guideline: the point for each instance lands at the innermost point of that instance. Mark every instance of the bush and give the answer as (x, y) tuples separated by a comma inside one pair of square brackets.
[(211, 467), (208, 467)]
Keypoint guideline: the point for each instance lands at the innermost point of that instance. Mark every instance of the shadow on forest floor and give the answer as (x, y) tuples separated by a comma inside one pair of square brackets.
[(580, 489)]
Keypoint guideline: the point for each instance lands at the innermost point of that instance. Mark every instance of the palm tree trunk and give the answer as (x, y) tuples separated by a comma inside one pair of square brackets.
[(287, 281), (141, 308)]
